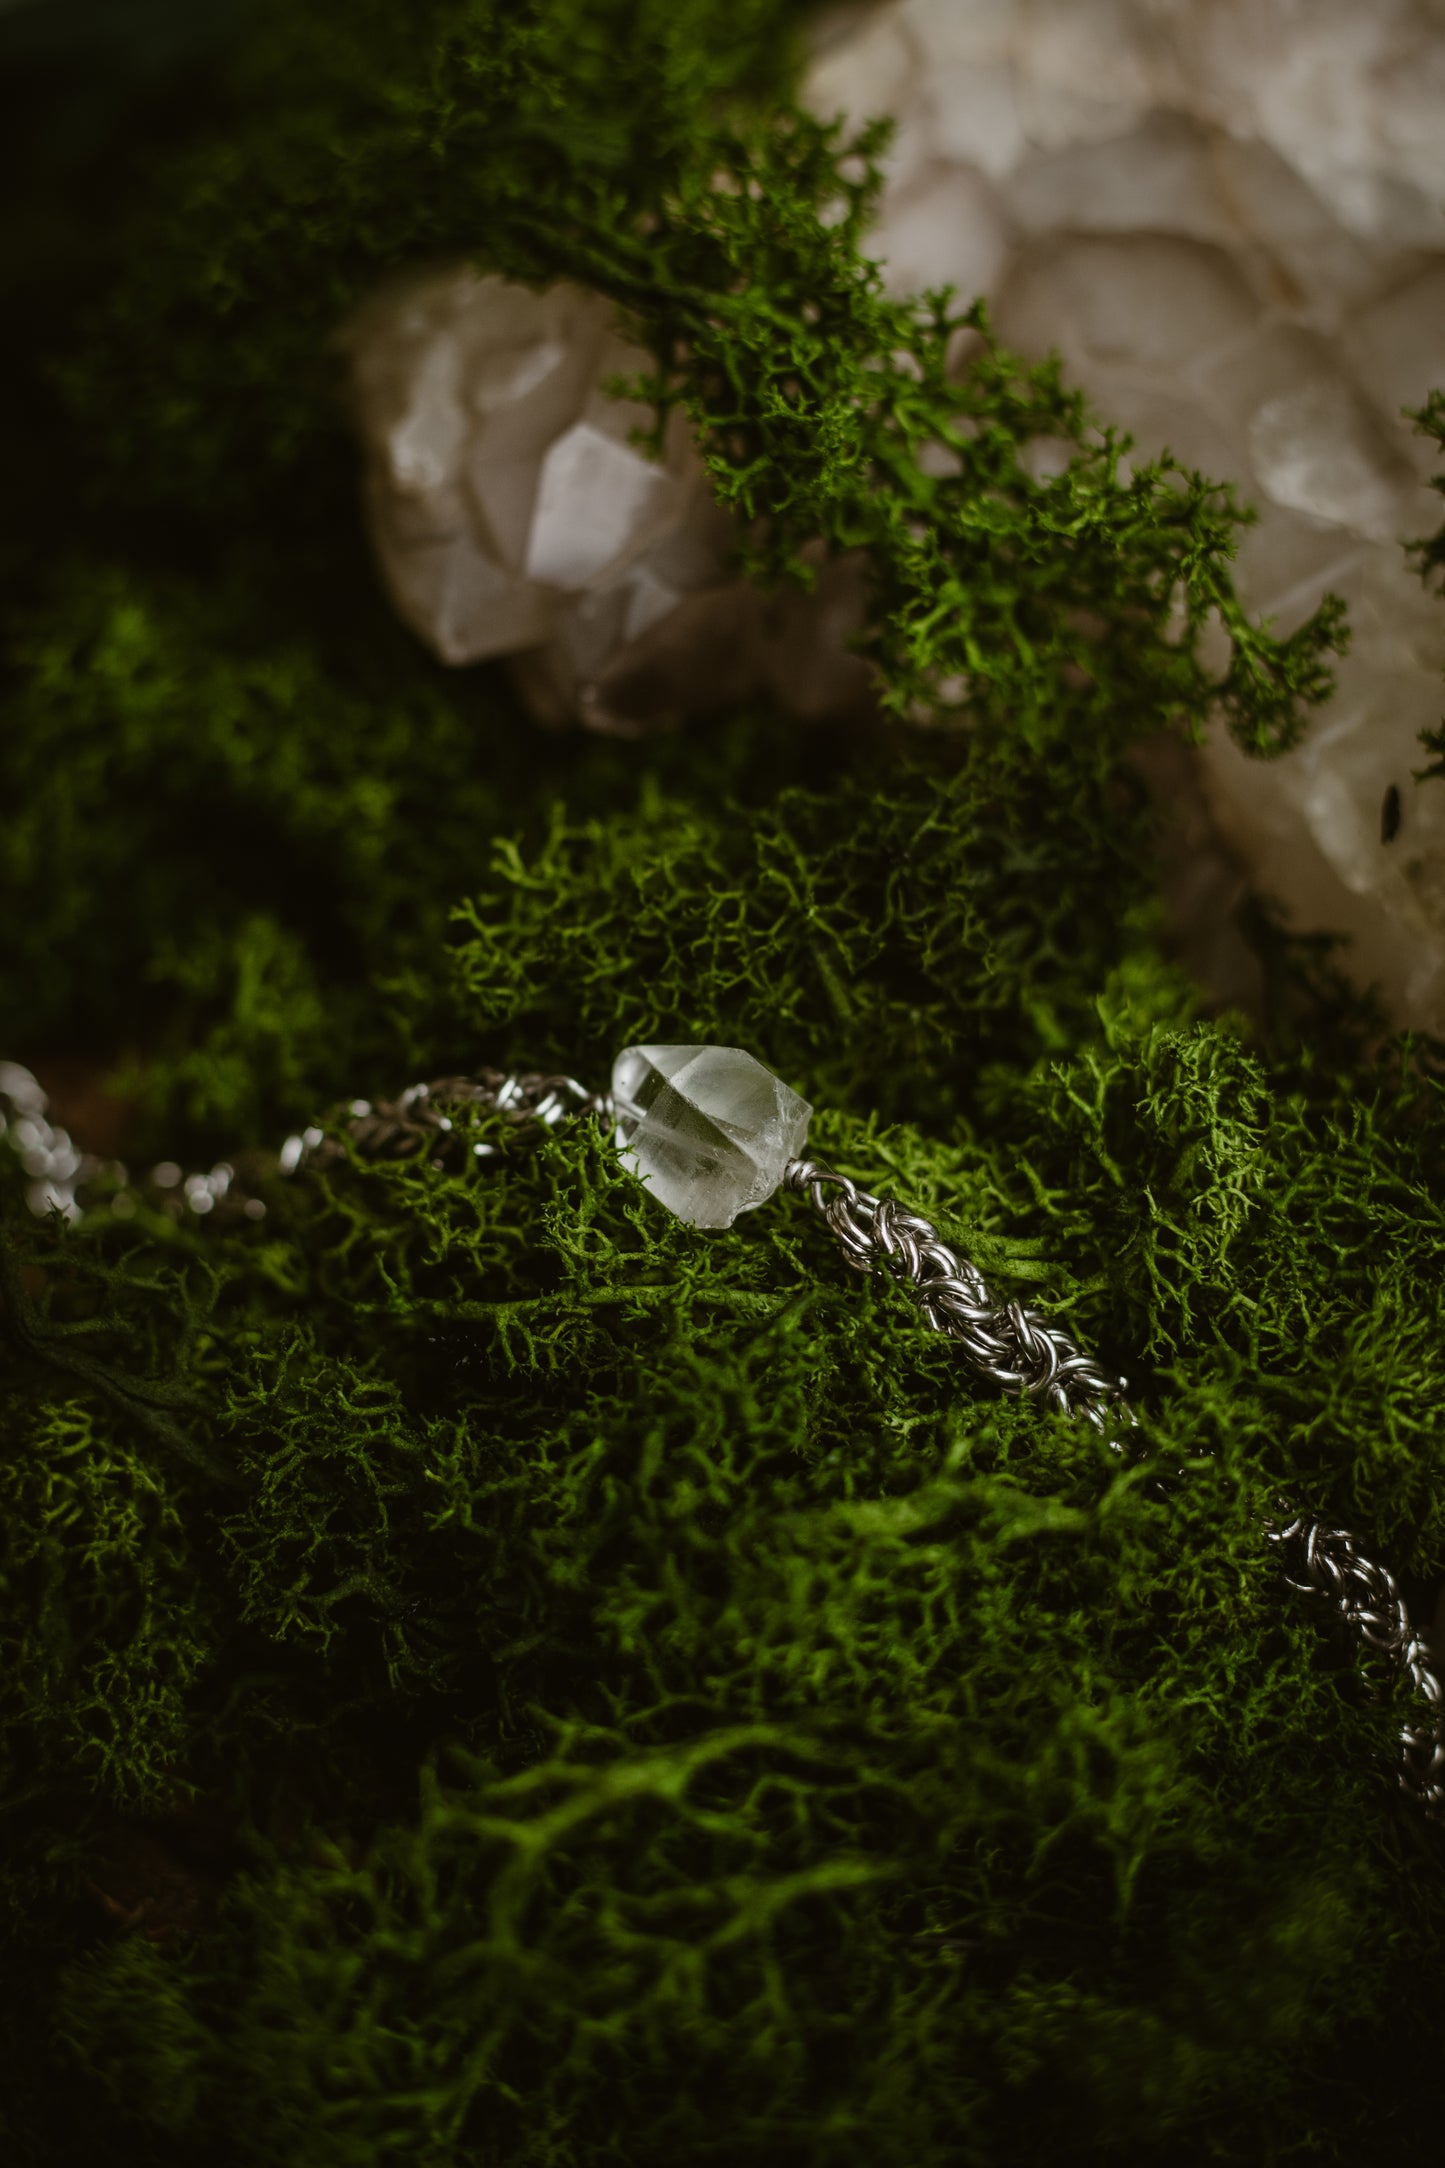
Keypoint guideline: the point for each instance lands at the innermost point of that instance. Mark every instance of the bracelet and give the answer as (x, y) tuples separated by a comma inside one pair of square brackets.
[(711, 1133)]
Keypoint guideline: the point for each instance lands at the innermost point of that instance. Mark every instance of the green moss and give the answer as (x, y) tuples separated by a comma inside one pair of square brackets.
[(806, 1743), (97, 1563), (658, 1709), (207, 828)]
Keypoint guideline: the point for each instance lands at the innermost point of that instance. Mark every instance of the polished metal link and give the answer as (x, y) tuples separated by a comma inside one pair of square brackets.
[(1366, 1598), (415, 1125), (1014, 1348), (1028, 1356), (418, 1124), (55, 1166)]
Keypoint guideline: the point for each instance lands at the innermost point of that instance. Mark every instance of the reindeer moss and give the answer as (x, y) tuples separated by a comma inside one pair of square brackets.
[(493, 1677)]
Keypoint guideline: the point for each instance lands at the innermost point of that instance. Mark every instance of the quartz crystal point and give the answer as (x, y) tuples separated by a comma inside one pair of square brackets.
[(708, 1129)]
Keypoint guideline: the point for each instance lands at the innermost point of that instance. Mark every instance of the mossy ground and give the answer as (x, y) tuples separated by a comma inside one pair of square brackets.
[(561, 1688)]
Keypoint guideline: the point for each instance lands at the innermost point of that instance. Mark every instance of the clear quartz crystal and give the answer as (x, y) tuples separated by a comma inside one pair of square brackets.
[(707, 1128)]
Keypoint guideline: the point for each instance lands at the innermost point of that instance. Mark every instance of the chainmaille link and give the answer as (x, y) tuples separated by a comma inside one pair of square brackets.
[(1366, 1598), (1014, 1348), (1029, 1357), (1004, 1343), (417, 1123)]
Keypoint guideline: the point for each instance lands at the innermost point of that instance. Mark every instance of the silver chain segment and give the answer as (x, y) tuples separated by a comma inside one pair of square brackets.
[(59, 1170), (417, 1123), (414, 1125), (1014, 1348), (1030, 1357), (1367, 1599), (1004, 1343)]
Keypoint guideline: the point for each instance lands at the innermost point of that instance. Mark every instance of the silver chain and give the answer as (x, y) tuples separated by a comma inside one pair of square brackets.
[(65, 1179), (1030, 1357), (417, 1124), (1367, 1599), (1014, 1348), (1006, 1344)]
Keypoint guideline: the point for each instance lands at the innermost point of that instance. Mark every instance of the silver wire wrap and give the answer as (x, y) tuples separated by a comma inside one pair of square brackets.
[(1004, 1343)]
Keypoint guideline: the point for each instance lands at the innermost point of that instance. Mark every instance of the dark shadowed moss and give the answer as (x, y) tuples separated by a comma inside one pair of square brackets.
[(492, 1676)]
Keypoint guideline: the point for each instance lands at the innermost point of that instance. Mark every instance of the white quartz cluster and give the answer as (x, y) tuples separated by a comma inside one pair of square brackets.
[(1229, 218), (707, 1129), (512, 514)]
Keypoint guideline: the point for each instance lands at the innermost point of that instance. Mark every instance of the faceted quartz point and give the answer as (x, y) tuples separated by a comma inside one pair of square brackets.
[(707, 1128)]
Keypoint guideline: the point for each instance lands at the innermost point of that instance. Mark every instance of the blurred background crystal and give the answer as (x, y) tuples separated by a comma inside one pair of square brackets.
[(512, 514), (1228, 216)]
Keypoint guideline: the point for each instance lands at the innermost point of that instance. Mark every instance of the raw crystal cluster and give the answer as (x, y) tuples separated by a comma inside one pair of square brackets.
[(707, 1128), (512, 514), (1229, 218)]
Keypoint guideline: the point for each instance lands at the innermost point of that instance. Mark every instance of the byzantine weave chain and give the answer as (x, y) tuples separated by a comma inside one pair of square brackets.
[(1005, 1344)]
